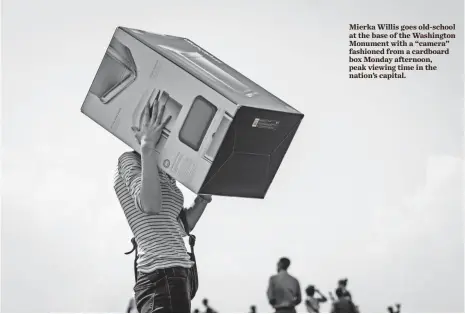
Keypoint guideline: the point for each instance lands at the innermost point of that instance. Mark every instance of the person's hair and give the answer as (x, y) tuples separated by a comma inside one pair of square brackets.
[(205, 301), (343, 282), (284, 263), (310, 291), (339, 293)]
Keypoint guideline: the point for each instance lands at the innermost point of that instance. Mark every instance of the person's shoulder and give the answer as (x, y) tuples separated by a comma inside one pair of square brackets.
[(294, 278), (129, 156), (132, 154)]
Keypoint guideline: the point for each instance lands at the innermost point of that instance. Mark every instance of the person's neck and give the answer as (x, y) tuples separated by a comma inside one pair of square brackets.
[(282, 271)]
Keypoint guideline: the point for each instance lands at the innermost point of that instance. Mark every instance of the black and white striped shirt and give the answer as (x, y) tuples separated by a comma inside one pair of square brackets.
[(159, 237)]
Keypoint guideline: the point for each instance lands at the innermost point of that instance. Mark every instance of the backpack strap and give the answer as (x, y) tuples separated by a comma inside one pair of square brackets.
[(192, 238), (136, 257)]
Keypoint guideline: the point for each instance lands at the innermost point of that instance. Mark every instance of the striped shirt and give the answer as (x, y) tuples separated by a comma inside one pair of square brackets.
[(159, 237)]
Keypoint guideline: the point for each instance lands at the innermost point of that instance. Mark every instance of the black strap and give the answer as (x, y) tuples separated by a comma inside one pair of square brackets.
[(136, 257), (192, 238)]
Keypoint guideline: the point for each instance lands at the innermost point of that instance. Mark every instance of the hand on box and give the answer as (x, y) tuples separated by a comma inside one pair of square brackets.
[(150, 127), (206, 198)]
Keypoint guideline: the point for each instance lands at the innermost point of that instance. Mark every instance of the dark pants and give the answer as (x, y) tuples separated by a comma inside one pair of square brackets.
[(163, 291), (289, 309)]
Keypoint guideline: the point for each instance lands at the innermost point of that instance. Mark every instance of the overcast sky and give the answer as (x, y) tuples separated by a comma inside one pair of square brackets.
[(370, 188)]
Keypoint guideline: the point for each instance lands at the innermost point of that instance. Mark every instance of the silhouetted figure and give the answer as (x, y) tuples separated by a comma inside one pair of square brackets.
[(208, 309), (132, 308), (253, 309), (343, 304), (342, 284), (283, 289), (196, 311), (392, 310), (312, 302)]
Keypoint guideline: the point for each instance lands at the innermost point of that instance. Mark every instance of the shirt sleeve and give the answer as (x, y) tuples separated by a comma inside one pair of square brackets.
[(130, 170)]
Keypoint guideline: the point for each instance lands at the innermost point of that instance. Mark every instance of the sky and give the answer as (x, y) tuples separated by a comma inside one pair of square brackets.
[(370, 188)]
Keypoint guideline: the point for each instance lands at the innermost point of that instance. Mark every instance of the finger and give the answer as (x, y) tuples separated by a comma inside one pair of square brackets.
[(160, 114), (155, 110), (145, 117), (152, 98), (150, 101), (165, 122)]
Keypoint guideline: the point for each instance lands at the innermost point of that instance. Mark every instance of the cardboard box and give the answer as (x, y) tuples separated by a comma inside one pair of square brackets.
[(227, 135)]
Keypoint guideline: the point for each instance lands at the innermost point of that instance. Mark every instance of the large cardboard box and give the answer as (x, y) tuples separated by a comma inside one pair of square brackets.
[(227, 135)]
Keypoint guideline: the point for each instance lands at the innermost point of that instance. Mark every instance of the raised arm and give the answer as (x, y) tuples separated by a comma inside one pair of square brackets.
[(143, 179), (151, 196), (331, 297), (194, 212), (322, 298)]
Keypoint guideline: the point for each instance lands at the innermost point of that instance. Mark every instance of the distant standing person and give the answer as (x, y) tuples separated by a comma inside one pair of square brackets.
[(283, 289), (253, 309), (342, 284), (208, 309), (391, 309), (343, 304), (313, 303)]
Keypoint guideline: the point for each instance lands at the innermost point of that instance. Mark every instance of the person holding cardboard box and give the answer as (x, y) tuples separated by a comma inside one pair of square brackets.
[(166, 278)]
